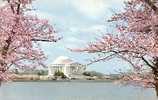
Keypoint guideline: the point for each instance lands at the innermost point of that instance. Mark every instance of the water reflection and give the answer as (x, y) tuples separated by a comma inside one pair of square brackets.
[(73, 91)]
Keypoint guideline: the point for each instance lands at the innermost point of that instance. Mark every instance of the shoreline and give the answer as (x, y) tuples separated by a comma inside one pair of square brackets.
[(63, 80), (45, 78)]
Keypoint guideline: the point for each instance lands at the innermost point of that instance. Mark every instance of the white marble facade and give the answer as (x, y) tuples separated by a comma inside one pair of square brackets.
[(67, 66)]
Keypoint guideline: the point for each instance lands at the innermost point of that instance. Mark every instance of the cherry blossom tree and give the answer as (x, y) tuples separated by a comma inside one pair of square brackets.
[(135, 40), (20, 34)]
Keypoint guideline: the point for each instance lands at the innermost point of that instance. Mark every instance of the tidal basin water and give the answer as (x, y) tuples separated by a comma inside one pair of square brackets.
[(73, 91)]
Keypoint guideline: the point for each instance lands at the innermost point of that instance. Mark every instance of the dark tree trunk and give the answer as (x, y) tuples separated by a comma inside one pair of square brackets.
[(156, 83), (156, 87), (0, 81), (155, 73)]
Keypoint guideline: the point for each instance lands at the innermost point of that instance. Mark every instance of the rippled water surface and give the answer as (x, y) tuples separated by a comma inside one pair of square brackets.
[(73, 91)]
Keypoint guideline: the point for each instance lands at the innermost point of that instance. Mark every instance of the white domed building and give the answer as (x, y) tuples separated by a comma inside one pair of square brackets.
[(69, 67)]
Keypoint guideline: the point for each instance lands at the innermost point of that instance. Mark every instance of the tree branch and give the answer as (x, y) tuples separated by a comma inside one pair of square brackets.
[(44, 40), (151, 66), (151, 4)]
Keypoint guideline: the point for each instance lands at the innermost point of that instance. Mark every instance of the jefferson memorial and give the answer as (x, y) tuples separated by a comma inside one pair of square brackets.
[(66, 65)]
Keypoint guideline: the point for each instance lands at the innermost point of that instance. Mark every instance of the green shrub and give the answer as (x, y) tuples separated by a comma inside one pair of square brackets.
[(59, 73)]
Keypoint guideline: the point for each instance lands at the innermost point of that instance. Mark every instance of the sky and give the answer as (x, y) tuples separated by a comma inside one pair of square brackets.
[(79, 22)]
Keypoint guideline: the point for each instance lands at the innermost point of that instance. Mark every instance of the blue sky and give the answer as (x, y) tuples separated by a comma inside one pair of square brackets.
[(78, 22)]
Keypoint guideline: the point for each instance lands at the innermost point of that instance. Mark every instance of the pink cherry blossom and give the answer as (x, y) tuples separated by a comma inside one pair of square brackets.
[(135, 41), (19, 36)]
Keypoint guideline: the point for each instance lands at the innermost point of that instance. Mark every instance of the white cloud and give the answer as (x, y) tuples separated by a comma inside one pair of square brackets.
[(2, 3), (94, 29), (91, 8), (73, 42), (95, 8)]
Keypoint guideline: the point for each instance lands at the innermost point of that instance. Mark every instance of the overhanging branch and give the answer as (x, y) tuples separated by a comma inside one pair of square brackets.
[(151, 4), (44, 40), (151, 66)]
